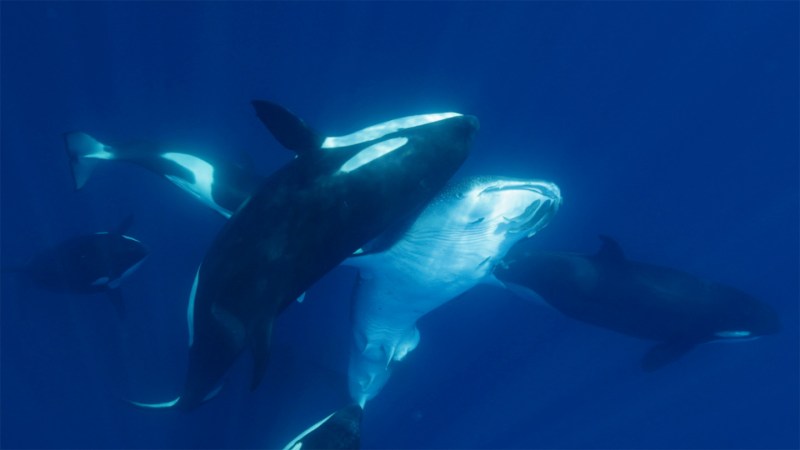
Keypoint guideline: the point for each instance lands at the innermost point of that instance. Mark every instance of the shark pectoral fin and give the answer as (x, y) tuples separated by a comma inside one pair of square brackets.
[(287, 128), (664, 353), (406, 346), (115, 296), (259, 344), (84, 151)]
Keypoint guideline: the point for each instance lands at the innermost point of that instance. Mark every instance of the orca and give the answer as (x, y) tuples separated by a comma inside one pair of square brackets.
[(303, 220), (340, 430), (218, 183), (673, 308), (451, 246), (88, 264)]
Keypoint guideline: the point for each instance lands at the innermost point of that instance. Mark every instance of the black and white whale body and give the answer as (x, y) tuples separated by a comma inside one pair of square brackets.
[(306, 218), (340, 430), (220, 184), (674, 308), (452, 245), (88, 264)]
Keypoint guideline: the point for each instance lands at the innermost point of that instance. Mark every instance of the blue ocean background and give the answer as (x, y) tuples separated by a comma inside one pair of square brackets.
[(671, 126)]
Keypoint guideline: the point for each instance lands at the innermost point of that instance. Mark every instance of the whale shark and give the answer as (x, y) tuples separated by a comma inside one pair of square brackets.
[(451, 246), (88, 264), (337, 194), (677, 310), (220, 184)]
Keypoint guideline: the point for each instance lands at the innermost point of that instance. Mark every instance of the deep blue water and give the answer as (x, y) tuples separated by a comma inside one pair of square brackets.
[(672, 126)]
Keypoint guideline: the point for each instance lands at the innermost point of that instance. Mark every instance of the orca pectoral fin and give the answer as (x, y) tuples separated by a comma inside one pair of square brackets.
[(115, 297), (664, 353), (259, 344), (84, 151), (287, 128)]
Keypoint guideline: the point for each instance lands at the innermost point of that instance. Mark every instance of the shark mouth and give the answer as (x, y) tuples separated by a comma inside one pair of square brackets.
[(538, 214)]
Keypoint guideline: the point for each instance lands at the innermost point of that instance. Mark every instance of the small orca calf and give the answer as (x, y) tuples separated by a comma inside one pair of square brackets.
[(88, 264), (674, 308), (303, 220), (220, 184)]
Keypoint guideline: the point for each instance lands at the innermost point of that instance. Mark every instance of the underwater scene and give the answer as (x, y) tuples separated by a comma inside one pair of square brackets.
[(400, 225)]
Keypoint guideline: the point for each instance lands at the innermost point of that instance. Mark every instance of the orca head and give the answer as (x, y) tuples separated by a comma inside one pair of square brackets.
[(744, 318)]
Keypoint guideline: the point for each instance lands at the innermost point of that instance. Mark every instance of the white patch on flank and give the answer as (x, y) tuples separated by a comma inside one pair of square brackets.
[(372, 153), (301, 298), (296, 444), (168, 404), (382, 129), (130, 238), (203, 173), (732, 334), (190, 309), (99, 152), (102, 232), (101, 281)]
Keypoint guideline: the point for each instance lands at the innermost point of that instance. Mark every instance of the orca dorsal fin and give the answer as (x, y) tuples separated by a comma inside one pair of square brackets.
[(610, 250), (123, 226), (288, 129)]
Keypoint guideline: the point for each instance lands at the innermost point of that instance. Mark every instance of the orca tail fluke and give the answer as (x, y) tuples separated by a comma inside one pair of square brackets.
[(290, 130), (84, 152), (339, 430)]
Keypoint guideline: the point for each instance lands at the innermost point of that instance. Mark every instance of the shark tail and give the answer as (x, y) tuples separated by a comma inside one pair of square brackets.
[(84, 152)]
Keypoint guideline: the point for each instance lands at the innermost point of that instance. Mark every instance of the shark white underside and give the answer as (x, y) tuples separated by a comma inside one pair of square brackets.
[(452, 246)]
